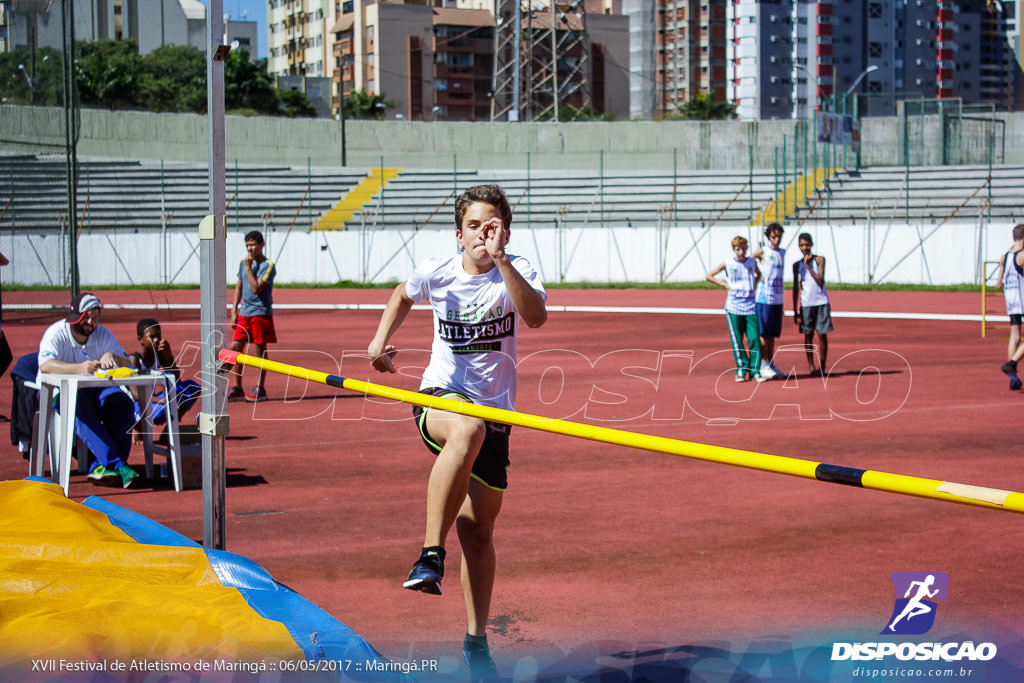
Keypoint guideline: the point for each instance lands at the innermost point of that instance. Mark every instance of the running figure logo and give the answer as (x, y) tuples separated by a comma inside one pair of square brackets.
[(914, 612)]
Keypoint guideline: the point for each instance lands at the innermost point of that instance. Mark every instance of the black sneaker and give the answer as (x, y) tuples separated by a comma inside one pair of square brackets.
[(426, 574), (478, 658), (1010, 368)]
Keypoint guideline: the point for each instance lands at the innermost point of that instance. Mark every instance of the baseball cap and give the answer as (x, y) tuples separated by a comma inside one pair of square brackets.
[(80, 304)]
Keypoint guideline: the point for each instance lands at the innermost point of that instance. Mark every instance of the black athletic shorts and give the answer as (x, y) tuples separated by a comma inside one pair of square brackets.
[(816, 319), (491, 465)]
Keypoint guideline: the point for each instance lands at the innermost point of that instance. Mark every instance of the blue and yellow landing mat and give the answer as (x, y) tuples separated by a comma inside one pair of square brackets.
[(94, 592)]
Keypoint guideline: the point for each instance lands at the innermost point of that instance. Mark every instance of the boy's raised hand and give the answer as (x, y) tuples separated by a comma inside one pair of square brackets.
[(495, 237), (384, 361)]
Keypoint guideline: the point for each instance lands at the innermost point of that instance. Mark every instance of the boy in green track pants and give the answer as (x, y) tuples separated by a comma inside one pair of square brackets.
[(742, 277)]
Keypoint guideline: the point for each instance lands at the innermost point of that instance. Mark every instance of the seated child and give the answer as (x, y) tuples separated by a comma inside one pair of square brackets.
[(155, 355)]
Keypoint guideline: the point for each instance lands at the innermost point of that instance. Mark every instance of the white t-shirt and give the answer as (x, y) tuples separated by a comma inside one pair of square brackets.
[(475, 325), (741, 276), (811, 294), (59, 344), (770, 291), (1013, 285)]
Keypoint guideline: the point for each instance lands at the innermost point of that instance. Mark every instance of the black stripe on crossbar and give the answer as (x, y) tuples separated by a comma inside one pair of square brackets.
[(837, 474), (335, 381)]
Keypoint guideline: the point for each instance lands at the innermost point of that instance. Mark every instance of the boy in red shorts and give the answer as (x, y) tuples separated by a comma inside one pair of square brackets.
[(252, 314)]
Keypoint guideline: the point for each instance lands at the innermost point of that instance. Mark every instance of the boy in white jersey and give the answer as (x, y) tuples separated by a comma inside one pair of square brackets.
[(742, 278), (812, 310), (769, 297), (477, 298), (1011, 279)]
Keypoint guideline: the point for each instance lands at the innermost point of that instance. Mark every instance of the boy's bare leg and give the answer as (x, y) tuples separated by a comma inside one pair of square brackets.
[(823, 350), (475, 526), (447, 490), (809, 348), (261, 352), (448, 485), (235, 368)]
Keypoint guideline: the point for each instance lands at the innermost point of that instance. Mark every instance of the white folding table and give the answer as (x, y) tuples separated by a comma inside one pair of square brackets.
[(67, 387)]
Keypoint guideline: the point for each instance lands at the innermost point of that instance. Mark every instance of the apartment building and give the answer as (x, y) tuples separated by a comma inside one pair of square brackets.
[(438, 62), (36, 23), (691, 39), (299, 39), (787, 58), (886, 50), (762, 50), (926, 48), (643, 53), (1013, 34)]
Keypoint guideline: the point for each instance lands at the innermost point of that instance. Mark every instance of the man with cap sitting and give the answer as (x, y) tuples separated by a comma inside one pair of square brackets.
[(79, 345)]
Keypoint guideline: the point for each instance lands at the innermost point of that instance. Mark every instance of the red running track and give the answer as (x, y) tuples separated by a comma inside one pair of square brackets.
[(627, 559)]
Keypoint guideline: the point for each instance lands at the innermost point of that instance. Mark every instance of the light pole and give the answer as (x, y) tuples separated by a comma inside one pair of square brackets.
[(856, 82), (813, 80), (28, 79), (346, 61), (853, 86), (341, 126)]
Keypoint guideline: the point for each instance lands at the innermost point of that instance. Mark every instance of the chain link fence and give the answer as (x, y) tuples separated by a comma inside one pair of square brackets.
[(36, 72), (141, 187)]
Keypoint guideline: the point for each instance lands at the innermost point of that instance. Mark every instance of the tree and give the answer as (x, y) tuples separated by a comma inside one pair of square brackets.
[(294, 103), (248, 86), (567, 112), (360, 104), (172, 78), (27, 78), (702, 107), (106, 71)]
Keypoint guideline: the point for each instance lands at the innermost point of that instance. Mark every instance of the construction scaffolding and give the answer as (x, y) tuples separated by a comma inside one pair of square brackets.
[(542, 63)]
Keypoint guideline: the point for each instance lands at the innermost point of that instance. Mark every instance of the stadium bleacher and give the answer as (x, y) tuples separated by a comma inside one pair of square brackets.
[(118, 195)]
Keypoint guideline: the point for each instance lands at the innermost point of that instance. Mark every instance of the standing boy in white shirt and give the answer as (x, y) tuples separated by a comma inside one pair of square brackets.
[(812, 309), (741, 280), (769, 297), (1011, 279)]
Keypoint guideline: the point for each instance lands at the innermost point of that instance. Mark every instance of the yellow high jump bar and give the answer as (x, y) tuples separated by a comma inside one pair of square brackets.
[(949, 492)]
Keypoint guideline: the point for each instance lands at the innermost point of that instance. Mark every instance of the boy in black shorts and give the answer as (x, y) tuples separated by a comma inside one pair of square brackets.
[(478, 298)]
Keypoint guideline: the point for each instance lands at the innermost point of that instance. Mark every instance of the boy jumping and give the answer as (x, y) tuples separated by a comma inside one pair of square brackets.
[(477, 299)]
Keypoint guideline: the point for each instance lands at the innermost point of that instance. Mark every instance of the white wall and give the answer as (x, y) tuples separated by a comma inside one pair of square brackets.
[(880, 252)]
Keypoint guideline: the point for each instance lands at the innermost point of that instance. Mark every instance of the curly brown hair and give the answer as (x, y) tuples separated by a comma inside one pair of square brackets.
[(488, 194)]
